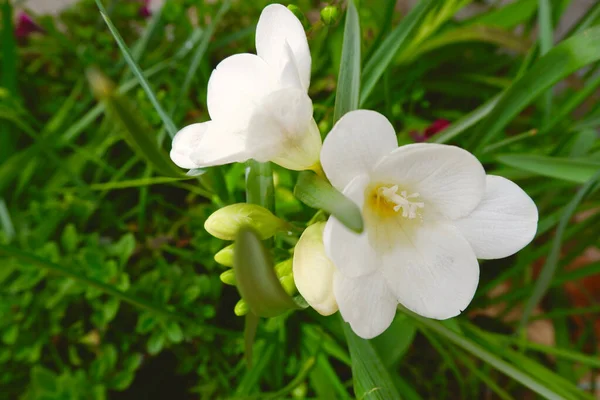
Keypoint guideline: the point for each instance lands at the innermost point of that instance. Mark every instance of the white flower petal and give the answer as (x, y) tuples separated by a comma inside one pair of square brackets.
[(450, 180), (282, 130), (503, 223), (313, 271), (433, 271), (355, 144), (366, 303), (185, 142), (276, 26), (351, 252), (220, 144), (237, 86)]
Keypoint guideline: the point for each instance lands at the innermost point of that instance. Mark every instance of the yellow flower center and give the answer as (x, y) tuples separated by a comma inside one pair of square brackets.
[(390, 200)]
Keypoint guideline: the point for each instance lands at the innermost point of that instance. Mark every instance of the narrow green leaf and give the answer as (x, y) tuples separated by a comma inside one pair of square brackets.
[(135, 129), (490, 358), (6, 221), (461, 126), (387, 51), (473, 33), (169, 125), (256, 279), (371, 378), (316, 192), (564, 59), (546, 40), (572, 170), (544, 280), (509, 16), (348, 84), (587, 21), (135, 183), (392, 344)]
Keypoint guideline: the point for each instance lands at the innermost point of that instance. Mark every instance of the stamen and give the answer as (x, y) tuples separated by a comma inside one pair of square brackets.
[(401, 201)]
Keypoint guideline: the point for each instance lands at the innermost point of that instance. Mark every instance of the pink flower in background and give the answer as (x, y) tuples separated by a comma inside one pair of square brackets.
[(145, 11), (25, 26), (436, 127)]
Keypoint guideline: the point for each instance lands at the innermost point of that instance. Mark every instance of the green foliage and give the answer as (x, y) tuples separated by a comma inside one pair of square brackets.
[(110, 285)]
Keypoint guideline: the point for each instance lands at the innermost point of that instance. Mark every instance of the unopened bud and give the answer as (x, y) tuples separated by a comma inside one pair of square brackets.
[(330, 15), (226, 222), (228, 277), (241, 308), (313, 270), (298, 13), (287, 282), (102, 87), (225, 256), (284, 268)]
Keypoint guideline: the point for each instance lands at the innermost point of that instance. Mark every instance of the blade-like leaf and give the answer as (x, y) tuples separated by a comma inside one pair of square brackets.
[(544, 280), (348, 84), (564, 59), (256, 279), (371, 378), (573, 170), (508, 16), (487, 356), (386, 52), (316, 192), (169, 125)]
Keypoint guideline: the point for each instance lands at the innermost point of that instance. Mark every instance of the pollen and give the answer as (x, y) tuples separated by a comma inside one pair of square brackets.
[(392, 200)]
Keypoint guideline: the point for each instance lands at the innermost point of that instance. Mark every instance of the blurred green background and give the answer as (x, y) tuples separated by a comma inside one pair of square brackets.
[(108, 285)]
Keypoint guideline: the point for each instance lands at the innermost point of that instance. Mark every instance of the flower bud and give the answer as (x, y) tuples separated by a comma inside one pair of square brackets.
[(102, 87), (299, 14), (226, 222), (241, 308), (284, 268), (228, 277), (225, 256), (287, 282), (330, 15), (313, 271)]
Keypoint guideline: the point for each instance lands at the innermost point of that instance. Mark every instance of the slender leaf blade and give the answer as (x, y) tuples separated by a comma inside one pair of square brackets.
[(348, 85), (371, 378), (564, 59), (387, 51), (169, 125), (569, 169)]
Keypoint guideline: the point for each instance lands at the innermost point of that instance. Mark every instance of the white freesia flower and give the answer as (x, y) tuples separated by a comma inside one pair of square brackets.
[(258, 104), (430, 212)]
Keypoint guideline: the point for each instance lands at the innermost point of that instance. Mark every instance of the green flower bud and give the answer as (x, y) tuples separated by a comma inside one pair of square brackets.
[(241, 308), (299, 14), (330, 15), (226, 222), (284, 268), (102, 87), (225, 256), (288, 284), (228, 277), (314, 271)]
